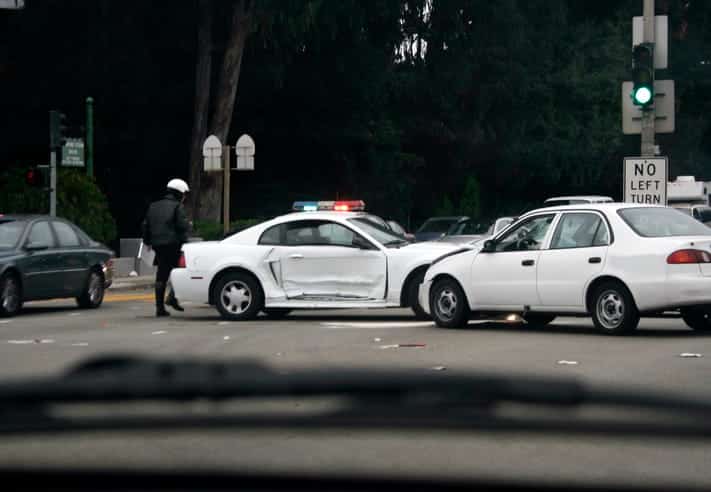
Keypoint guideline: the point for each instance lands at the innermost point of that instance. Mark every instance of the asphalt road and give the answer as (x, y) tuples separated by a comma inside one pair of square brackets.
[(51, 336)]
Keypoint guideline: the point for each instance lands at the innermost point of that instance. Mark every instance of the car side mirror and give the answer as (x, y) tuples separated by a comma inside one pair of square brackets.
[(36, 246), (361, 243), (489, 246)]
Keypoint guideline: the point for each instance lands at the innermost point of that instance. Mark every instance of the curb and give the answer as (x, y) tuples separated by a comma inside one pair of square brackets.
[(122, 284)]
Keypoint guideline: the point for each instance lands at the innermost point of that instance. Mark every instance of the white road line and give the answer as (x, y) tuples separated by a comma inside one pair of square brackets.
[(376, 325)]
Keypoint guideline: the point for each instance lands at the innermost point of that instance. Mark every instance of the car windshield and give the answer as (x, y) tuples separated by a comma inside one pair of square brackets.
[(662, 222), (10, 232), (437, 225), (381, 234)]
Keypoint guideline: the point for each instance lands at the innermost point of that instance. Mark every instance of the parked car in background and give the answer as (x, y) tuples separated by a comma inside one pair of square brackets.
[(399, 229), (43, 257), (436, 227), (702, 213), (471, 231)]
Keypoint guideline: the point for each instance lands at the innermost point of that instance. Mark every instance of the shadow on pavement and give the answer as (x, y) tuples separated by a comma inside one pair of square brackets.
[(509, 327)]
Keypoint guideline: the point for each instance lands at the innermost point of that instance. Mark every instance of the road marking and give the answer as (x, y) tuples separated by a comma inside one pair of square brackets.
[(376, 325), (129, 297)]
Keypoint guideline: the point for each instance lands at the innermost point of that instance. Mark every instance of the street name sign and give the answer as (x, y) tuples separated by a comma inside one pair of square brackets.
[(645, 180), (73, 153)]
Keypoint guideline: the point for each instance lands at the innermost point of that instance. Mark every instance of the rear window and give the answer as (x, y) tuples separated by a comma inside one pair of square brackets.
[(662, 222), (10, 232)]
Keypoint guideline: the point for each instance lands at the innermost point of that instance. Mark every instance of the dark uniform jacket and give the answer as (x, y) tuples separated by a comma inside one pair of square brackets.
[(166, 223)]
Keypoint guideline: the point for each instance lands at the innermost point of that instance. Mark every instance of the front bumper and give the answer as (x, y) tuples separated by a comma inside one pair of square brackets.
[(423, 296)]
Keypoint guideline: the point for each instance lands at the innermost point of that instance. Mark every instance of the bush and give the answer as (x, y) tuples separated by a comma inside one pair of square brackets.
[(79, 200)]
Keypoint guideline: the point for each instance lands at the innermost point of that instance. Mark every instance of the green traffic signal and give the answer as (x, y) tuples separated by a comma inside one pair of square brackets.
[(643, 75)]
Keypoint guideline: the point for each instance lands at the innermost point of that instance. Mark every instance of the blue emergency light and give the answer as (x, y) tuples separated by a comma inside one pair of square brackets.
[(338, 206)]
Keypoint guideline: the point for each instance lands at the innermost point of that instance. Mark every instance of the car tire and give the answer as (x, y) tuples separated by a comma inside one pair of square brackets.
[(93, 294), (538, 319), (697, 318), (277, 313), (613, 309), (10, 295), (238, 296), (448, 304), (413, 297)]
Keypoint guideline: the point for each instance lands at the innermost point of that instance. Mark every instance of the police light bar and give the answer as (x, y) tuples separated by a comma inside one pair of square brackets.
[(338, 206)]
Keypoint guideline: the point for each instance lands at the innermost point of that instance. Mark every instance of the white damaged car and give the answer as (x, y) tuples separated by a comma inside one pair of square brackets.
[(306, 260), (612, 261)]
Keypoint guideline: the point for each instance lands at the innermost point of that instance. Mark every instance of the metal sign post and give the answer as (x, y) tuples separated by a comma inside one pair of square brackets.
[(226, 192)]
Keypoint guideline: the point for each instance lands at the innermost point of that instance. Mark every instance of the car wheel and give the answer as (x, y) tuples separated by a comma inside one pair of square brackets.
[(613, 309), (413, 291), (238, 296), (93, 294), (277, 313), (448, 304), (538, 319), (10, 295), (697, 318)]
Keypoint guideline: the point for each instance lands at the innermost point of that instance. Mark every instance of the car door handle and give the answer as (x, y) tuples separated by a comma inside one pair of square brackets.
[(595, 259), (296, 256), (528, 262)]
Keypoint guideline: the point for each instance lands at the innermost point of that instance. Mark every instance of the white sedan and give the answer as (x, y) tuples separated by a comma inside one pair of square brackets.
[(306, 260), (615, 262)]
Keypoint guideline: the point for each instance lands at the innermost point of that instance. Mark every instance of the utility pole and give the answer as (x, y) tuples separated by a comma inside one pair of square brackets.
[(648, 117), (90, 136)]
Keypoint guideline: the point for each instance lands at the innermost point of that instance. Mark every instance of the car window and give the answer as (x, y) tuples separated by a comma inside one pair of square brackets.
[(41, 234), (704, 214), (526, 236), (468, 227), (396, 227), (65, 234), (602, 236), (662, 222), (383, 236), (10, 232), (272, 236), (336, 234), (576, 230)]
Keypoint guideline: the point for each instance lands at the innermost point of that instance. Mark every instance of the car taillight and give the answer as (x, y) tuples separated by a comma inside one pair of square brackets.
[(687, 256), (181, 261)]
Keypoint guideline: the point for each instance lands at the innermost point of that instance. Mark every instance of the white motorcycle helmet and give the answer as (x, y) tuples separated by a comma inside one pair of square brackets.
[(178, 185)]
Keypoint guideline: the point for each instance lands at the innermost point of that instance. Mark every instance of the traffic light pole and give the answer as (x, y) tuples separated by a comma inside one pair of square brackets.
[(53, 182), (648, 132)]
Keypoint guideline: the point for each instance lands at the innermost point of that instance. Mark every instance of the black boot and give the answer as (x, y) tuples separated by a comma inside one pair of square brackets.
[(173, 302), (160, 300)]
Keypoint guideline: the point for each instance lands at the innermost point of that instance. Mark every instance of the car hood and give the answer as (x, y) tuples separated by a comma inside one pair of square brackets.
[(434, 246)]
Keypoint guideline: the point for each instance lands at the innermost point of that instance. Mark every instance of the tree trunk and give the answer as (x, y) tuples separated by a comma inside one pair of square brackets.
[(242, 26), (203, 71)]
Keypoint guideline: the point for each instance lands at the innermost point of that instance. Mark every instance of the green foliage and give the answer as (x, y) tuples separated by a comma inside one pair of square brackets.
[(79, 200), (446, 208), (212, 231), (470, 204)]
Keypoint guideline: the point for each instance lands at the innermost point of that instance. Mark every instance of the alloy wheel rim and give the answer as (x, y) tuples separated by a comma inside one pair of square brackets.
[(610, 309), (236, 297)]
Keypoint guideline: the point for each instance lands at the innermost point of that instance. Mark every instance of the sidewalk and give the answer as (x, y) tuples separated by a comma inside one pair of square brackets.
[(132, 283)]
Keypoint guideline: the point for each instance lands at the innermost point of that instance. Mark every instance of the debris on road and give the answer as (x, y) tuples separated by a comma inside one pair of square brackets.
[(159, 332), (279, 354), (377, 339), (20, 342), (567, 362), (74, 314), (4, 321), (80, 344), (690, 355), (226, 337), (44, 340), (439, 368), (222, 323), (403, 345)]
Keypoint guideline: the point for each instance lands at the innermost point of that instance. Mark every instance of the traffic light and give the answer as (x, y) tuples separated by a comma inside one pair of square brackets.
[(37, 177), (57, 129), (643, 75)]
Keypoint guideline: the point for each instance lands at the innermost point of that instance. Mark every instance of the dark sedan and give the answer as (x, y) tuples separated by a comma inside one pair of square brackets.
[(44, 257)]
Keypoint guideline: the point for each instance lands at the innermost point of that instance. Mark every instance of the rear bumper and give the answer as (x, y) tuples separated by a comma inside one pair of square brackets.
[(189, 288), (688, 291)]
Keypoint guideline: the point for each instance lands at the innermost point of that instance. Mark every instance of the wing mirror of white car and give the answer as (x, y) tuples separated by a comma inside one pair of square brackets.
[(489, 246)]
